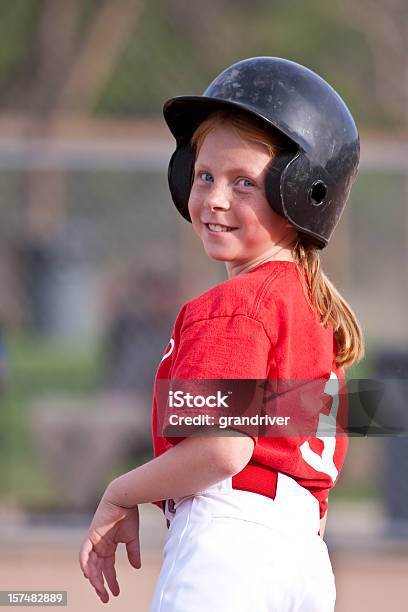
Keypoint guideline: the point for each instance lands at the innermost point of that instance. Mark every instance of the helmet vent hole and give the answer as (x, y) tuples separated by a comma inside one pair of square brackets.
[(317, 193)]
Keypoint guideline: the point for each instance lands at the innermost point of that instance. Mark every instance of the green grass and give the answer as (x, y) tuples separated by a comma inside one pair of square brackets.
[(17, 28), (36, 363), (345, 492), (37, 367)]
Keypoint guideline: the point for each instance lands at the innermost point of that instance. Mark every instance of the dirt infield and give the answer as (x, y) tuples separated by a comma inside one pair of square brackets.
[(365, 582), (368, 582), (58, 570)]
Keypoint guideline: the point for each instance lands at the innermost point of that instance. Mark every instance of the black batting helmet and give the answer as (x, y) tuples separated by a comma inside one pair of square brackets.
[(310, 182)]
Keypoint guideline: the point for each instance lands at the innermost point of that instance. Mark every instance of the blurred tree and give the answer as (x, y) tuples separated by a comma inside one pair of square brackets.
[(97, 56), (47, 56), (124, 57), (71, 50), (179, 46), (384, 26), (16, 31)]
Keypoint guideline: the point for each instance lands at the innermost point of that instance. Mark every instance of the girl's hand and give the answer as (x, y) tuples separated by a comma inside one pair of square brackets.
[(110, 525)]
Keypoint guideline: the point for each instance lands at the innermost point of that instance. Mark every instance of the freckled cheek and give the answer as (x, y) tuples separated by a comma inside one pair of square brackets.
[(267, 220), (248, 220), (257, 226)]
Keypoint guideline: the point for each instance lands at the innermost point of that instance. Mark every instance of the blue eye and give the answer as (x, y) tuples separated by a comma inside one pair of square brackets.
[(206, 177), (244, 182)]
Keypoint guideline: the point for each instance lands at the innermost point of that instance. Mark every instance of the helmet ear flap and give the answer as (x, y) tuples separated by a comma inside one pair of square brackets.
[(282, 176), (274, 180), (180, 177)]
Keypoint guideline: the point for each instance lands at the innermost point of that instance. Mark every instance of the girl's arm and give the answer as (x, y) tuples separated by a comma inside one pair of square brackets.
[(187, 468), (193, 465)]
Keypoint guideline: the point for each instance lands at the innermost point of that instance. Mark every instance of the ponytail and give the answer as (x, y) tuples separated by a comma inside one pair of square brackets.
[(332, 308)]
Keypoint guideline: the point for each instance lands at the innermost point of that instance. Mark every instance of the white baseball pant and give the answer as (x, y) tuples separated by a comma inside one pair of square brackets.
[(235, 551)]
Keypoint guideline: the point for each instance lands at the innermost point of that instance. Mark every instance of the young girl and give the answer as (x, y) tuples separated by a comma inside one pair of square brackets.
[(263, 167)]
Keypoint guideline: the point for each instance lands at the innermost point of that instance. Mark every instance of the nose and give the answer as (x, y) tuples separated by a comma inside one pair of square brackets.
[(218, 197)]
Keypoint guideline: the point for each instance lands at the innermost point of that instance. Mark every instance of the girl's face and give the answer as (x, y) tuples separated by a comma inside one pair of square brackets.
[(228, 206)]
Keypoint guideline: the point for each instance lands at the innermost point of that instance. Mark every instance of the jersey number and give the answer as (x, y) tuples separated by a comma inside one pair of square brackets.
[(325, 462)]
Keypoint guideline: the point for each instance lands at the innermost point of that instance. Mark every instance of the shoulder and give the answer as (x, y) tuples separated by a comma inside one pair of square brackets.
[(286, 291), (236, 296), (262, 299)]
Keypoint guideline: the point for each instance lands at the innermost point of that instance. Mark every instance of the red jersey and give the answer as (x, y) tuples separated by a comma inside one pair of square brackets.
[(259, 325)]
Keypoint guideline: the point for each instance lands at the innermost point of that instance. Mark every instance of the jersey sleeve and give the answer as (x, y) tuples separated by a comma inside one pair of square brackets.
[(222, 348)]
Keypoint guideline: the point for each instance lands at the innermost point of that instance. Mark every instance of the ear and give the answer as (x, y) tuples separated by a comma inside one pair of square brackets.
[(180, 177)]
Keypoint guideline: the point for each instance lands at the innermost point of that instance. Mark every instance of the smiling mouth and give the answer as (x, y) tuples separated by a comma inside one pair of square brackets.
[(216, 228)]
